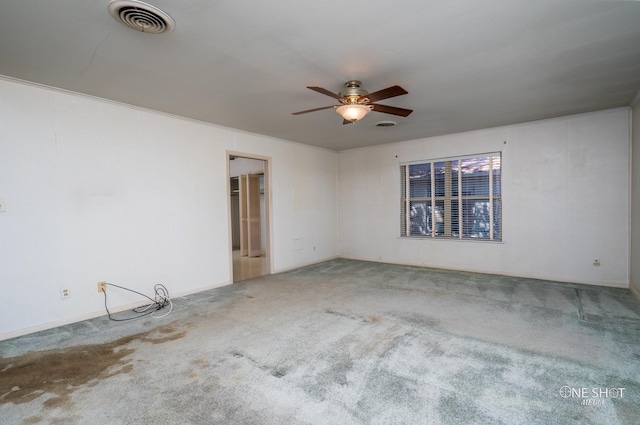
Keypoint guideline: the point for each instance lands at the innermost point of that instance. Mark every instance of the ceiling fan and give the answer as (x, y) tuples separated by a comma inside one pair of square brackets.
[(356, 102)]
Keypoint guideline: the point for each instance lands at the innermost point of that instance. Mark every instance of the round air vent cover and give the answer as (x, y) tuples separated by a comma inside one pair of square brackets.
[(141, 16)]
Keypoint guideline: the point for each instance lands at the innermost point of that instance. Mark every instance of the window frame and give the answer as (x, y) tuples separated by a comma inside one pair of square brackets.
[(440, 206)]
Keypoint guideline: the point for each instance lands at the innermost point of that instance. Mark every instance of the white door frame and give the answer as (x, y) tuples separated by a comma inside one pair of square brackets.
[(267, 206)]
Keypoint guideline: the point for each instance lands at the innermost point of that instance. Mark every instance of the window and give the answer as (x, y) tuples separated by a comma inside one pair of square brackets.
[(458, 198)]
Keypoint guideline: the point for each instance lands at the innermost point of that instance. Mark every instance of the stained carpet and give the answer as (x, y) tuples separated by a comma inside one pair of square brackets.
[(342, 342)]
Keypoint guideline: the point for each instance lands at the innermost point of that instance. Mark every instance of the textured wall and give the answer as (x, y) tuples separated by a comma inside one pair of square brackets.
[(102, 191), (635, 196), (565, 200)]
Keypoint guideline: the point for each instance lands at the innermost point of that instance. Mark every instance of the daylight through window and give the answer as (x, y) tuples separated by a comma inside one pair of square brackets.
[(458, 198)]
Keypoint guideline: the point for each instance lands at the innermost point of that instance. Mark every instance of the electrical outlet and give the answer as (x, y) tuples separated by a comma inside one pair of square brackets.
[(102, 286), (596, 262), (64, 293)]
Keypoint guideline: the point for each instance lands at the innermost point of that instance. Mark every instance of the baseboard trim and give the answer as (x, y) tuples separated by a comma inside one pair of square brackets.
[(310, 263), (45, 326), (92, 315), (496, 273)]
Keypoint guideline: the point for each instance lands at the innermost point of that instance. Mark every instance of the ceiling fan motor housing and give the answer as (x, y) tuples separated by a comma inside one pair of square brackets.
[(353, 93)]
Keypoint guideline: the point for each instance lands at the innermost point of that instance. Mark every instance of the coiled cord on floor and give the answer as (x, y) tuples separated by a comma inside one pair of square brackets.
[(160, 302)]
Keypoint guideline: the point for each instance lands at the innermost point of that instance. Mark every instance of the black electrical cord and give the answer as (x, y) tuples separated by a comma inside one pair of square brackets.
[(161, 301)]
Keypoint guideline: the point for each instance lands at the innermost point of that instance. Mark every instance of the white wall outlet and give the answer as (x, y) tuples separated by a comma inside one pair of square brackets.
[(65, 293), (3, 206)]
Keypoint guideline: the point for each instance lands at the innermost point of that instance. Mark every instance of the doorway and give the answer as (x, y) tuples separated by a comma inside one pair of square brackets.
[(249, 211)]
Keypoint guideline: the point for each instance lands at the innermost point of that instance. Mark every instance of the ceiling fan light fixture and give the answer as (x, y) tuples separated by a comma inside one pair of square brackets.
[(353, 113)]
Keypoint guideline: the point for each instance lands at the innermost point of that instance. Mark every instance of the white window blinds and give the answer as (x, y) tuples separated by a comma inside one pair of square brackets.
[(454, 198)]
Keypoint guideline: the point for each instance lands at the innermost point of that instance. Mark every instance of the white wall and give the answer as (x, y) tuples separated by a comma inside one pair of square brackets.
[(96, 190), (565, 201), (101, 191), (635, 196)]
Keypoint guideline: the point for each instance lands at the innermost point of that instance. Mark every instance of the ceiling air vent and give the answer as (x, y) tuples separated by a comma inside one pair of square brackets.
[(141, 16), (385, 124)]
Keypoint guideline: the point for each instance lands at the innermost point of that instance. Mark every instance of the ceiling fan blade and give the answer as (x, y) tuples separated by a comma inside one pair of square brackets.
[(325, 92), (313, 110), (344, 122), (392, 91), (393, 110)]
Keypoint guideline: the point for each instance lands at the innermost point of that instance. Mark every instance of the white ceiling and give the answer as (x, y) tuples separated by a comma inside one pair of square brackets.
[(246, 63)]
